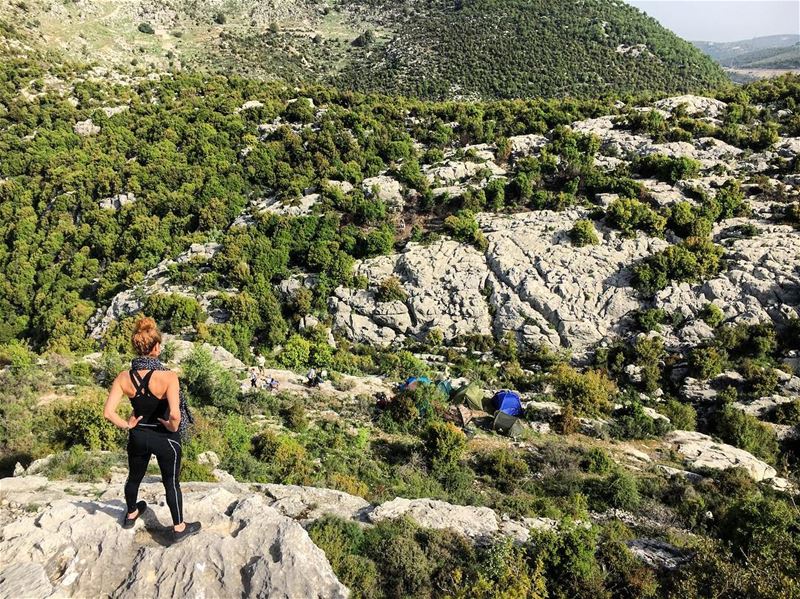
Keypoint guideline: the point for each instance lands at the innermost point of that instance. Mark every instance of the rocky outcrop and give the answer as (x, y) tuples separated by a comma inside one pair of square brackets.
[(701, 451), (74, 546), (539, 286), (157, 281), (117, 202), (694, 105), (387, 189), (443, 281), (761, 282), (478, 523), (86, 128)]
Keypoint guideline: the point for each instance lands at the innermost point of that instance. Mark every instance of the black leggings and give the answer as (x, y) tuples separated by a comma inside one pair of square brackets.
[(142, 444)]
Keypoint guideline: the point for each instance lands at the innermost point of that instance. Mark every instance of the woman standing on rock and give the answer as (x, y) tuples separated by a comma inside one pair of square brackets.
[(154, 393)]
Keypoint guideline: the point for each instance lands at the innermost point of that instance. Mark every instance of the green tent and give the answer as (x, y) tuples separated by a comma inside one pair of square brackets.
[(504, 424), (470, 395)]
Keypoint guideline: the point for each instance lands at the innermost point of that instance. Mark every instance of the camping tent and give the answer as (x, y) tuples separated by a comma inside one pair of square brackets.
[(471, 396), (507, 425), (413, 382), (508, 402)]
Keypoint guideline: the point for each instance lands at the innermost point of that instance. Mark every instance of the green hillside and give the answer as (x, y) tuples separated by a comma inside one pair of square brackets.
[(431, 49), (516, 48)]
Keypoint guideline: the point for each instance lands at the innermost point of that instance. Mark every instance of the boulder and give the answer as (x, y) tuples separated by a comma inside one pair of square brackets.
[(477, 523), (701, 451), (657, 554), (388, 190), (86, 128), (118, 201), (694, 105)]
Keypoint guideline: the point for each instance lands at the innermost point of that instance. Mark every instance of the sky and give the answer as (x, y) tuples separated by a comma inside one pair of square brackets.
[(724, 20)]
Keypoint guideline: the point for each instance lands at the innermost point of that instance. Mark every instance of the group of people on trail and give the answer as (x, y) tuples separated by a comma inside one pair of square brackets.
[(269, 383)]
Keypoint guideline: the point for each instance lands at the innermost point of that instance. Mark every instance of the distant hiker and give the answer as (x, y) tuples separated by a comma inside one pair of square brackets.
[(271, 383), (154, 392), (253, 380), (311, 377)]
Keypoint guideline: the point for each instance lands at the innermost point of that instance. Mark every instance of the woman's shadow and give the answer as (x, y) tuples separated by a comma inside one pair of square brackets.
[(153, 530)]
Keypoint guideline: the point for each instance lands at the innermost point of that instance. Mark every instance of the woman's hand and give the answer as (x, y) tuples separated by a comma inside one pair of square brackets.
[(133, 421), (171, 425)]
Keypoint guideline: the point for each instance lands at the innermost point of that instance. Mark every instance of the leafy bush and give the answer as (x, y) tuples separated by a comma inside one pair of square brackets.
[(506, 469), (589, 393), (631, 422), (712, 315), (746, 432), (682, 415), (464, 227), (760, 381), (650, 319), (209, 383), (146, 28), (84, 424), (286, 459), (598, 461), (583, 233), (391, 290), (296, 352), (295, 418), (629, 215), (444, 445), (692, 260), (668, 168), (707, 362)]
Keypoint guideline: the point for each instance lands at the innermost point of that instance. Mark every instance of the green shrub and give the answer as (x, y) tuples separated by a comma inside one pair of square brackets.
[(84, 424), (760, 381), (81, 465), (295, 353), (506, 469), (209, 383), (17, 355), (146, 28), (712, 315), (746, 432), (444, 445), (464, 227), (786, 413), (286, 459), (682, 415), (629, 215), (620, 490), (589, 393), (692, 260), (650, 319), (295, 418), (598, 461), (192, 471), (631, 422), (583, 233), (391, 290), (667, 168), (707, 362)]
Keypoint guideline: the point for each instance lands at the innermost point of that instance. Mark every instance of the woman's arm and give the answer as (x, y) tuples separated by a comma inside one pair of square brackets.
[(112, 402), (174, 400)]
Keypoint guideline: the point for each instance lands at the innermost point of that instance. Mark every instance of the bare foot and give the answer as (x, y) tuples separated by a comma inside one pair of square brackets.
[(133, 515), (180, 527)]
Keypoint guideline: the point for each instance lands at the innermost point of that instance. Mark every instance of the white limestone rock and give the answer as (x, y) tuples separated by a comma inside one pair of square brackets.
[(86, 128), (701, 451), (388, 189), (246, 549), (694, 105)]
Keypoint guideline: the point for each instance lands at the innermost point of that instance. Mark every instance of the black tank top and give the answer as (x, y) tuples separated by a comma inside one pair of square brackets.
[(147, 405)]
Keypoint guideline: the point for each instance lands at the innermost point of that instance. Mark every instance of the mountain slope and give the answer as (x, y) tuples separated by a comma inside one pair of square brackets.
[(727, 53), (438, 49)]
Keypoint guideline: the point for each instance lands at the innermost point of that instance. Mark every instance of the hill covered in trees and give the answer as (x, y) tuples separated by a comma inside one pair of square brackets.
[(431, 49)]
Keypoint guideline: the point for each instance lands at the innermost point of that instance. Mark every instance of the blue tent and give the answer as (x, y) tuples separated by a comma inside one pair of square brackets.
[(507, 402), (411, 382)]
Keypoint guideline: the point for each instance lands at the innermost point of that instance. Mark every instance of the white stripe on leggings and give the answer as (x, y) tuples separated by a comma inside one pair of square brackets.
[(174, 481)]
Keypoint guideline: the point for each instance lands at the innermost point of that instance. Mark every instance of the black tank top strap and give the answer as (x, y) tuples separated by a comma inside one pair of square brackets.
[(141, 384)]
